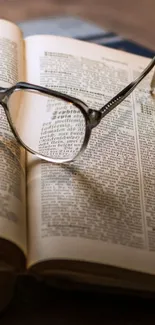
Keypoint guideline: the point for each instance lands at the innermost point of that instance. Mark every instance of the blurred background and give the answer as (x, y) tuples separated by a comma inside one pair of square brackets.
[(134, 19)]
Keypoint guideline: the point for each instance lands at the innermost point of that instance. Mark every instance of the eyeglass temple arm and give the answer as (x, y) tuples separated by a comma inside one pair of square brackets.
[(127, 90)]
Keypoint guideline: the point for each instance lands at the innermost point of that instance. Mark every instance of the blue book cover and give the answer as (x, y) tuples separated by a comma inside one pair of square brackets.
[(83, 30)]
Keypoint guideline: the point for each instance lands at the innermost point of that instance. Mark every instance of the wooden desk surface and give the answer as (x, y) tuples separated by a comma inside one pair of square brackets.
[(50, 307), (134, 19)]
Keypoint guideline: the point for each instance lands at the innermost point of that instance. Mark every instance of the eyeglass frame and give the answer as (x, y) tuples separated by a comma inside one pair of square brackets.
[(92, 117)]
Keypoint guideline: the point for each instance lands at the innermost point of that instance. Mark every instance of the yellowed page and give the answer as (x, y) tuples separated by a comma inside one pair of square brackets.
[(12, 157), (97, 208)]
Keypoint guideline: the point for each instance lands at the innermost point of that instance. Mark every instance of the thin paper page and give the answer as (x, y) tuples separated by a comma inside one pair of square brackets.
[(12, 162), (94, 209)]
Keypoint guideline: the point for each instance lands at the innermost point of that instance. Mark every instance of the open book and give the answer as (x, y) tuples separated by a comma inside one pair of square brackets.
[(91, 221)]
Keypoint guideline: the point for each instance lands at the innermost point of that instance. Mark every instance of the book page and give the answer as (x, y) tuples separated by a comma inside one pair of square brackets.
[(101, 208), (12, 157)]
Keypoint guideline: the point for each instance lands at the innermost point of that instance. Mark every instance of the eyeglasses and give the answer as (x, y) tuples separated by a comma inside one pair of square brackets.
[(54, 126)]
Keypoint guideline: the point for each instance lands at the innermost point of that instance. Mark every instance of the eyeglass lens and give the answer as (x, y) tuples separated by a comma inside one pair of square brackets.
[(50, 126)]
